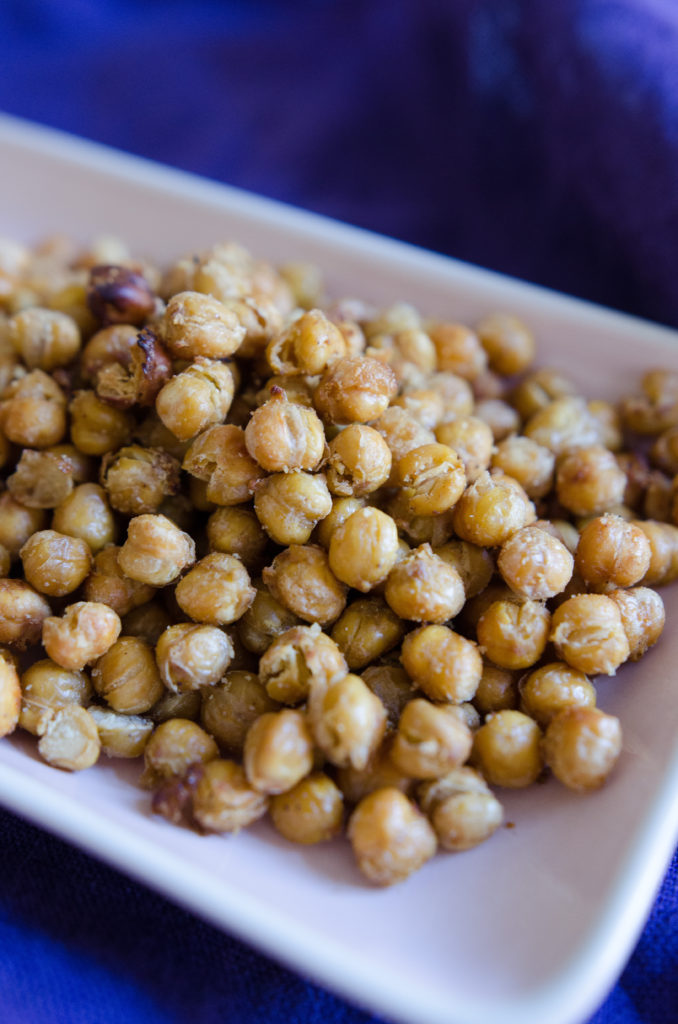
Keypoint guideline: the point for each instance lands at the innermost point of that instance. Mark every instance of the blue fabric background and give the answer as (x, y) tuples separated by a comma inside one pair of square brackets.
[(540, 139)]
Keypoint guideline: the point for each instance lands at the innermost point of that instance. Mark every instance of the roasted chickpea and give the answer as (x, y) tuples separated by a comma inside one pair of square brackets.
[(588, 634), (121, 735), (278, 751), (500, 417), (22, 612), (492, 509), (497, 689), (656, 410), (347, 720), (112, 344), (54, 563), (300, 578), (84, 632), (10, 694), (33, 411), (289, 505), (589, 481), (506, 749), (96, 426), (462, 809), (18, 523), (108, 584), (392, 686), (508, 342), (196, 398), (41, 479), (390, 837), (173, 747), (528, 462), (217, 590), (359, 461), (539, 388), (553, 687), (137, 480), (474, 564), (194, 324), (306, 282), (663, 538), (237, 531), (309, 345), (299, 658), (472, 440), (402, 433), (70, 739), (612, 553), (232, 706), (355, 389), (364, 549), (310, 812), (424, 588), (341, 509), (219, 457), (431, 739), (534, 564), (191, 656), (425, 405), (564, 424), (117, 294), (223, 800), (581, 746), (366, 630), (643, 617), (86, 513), (514, 635), (458, 349), (446, 666), (282, 436), (156, 551), (432, 479)]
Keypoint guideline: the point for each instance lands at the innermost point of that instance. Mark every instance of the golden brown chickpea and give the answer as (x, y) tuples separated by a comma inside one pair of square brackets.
[(96, 426), (534, 564), (500, 417), (137, 480), (364, 549), (506, 749), (612, 553), (656, 410), (310, 812), (200, 325), (297, 389), (359, 461), (432, 479), (538, 389), (54, 563), (301, 657), (282, 436), (155, 551), (289, 505), (392, 686), (237, 531), (5, 561), (176, 705), (278, 751), (219, 457), (355, 389), (553, 687), (232, 706), (581, 747), (264, 621), (508, 342), (342, 508), (45, 688), (223, 799), (22, 612), (446, 666), (531, 464), (663, 538), (424, 588), (70, 740), (473, 441), (41, 479), (121, 735), (658, 498), (301, 579), (402, 433), (563, 425), (18, 523), (380, 771), (589, 481), (174, 746), (609, 424), (306, 282), (109, 345), (390, 837), (456, 393), (474, 564), (191, 656), (147, 621), (44, 338), (127, 677), (497, 689), (431, 739), (366, 630), (217, 590), (108, 584), (33, 411), (458, 349), (10, 694), (86, 514), (425, 405), (82, 634), (462, 809), (309, 345), (491, 509), (643, 617), (347, 720), (588, 634), (514, 635), (198, 397)]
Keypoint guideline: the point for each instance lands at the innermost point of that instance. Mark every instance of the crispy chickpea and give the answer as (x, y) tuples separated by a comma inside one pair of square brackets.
[(301, 657), (588, 634), (432, 479), (118, 294), (656, 409), (278, 751), (137, 480), (70, 740), (232, 706), (514, 635), (108, 584), (424, 588), (390, 837), (282, 436), (173, 747), (402, 433), (83, 633), (10, 695), (461, 808), (446, 666), (589, 481), (155, 551), (456, 393), (553, 687), (191, 656), (127, 677), (643, 617), (200, 325), (121, 735), (217, 590), (506, 749), (458, 349), (664, 451), (41, 479), (138, 380), (492, 509), (33, 411), (18, 523), (539, 388), (425, 405), (663, 538), (431, 739), (347, 721), (472, 440), (564, 424), (497, 689), (392, 686), (264, 621), (309, 345), (609, 423), (5, 561), (612, 553), (96, 426), (364, 549), (306, 282), (508, 342), (658, 498), (528, 462), (112, 344), (22, 612), (310, 812), (300, 578), (223, 800), (86, 514), (219, 457), (380, 771), (289, 505), (44, 338), (47, 687), (581, 747), (355, 389), (341, 509), (474, 564), (359, 461), (500, 417), (236, 530), (196, 398), (54, 563), (366, 630), (176, 705), (534, 564)]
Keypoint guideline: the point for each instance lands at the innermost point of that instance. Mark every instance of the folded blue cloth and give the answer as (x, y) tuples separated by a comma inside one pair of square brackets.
[(537, 139)]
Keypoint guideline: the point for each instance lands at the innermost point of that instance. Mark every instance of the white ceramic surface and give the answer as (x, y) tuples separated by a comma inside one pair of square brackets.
[(533, 927)]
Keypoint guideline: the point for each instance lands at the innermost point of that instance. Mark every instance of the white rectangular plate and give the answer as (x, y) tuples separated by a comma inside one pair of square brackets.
[(534, 926)]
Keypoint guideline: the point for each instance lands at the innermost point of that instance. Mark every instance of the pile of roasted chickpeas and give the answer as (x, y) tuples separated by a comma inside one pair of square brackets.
[(352, 568)]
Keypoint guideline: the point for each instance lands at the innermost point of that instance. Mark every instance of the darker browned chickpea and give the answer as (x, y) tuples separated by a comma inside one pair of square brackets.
[(581, 747), (139, 381), (310, 812), (508, 342), (588, 634), (359, 461), (528, 462), (366, 630), (110, 345), (301, 579), (217, 590), (54, 563), (506, 749), (431, 739), (458, 349), (446, 666), (535, 564), (33, 411), (200, 325), (355, 389), (118, 295), (589, 481), (643, 617), (549, 689), (424, 588), (232, 706), (491, 509), (148, 621), (237, 531), (86, 514), (514, 635), (612, 553), (282, 436), (390, 837)]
